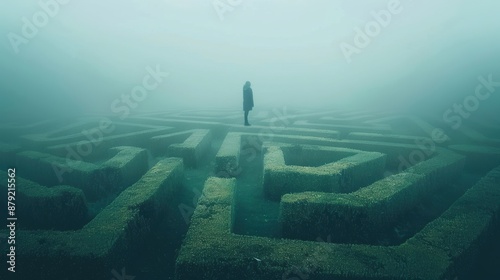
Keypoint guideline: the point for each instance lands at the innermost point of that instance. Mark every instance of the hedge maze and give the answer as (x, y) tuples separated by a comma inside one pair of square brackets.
[(326, 194)]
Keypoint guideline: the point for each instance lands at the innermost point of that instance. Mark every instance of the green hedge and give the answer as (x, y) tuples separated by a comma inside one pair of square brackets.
[(360, 216), (39, 207), (347, 170), (444, 249), (106, 241), (125, 166), (228, 157), (193, 148)]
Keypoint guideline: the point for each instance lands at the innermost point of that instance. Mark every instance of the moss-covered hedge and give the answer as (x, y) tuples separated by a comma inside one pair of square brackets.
[(360, 216), (444, 249), (105, 242), (193, 148), (125, 166), (228, 157), (347, 170), (39, 207)]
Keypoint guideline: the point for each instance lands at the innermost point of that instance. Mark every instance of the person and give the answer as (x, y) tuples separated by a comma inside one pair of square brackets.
[(247, 101)]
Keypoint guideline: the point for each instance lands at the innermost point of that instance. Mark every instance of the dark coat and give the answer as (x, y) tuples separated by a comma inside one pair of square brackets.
[(247, 99)]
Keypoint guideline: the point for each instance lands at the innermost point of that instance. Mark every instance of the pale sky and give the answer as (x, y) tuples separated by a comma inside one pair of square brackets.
[(89, 54)]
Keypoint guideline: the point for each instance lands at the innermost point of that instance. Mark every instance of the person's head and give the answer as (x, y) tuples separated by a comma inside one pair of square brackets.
[(247, 84)]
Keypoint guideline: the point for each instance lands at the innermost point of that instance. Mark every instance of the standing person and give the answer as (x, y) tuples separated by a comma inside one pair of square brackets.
[(247, 100)]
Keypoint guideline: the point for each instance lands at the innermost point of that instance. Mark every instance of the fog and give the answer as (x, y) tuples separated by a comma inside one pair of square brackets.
[(86, 57)]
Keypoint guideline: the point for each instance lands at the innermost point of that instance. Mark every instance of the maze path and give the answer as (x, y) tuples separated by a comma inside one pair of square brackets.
[(21, 128), (59, 207), (102, 244), (332, 169), (360, 215), (445, 248), (362, 128), (91, 138), (82, 128), (125, 166), (394, 138), (214, 143), (438, 168), (190, 145), (234, 144)]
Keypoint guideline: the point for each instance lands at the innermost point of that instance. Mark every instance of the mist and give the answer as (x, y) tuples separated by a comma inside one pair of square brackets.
[(88, 57), (367, 145)]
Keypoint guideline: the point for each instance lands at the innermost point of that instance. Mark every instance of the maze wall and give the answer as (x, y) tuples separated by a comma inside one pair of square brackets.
[(298, 195)]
